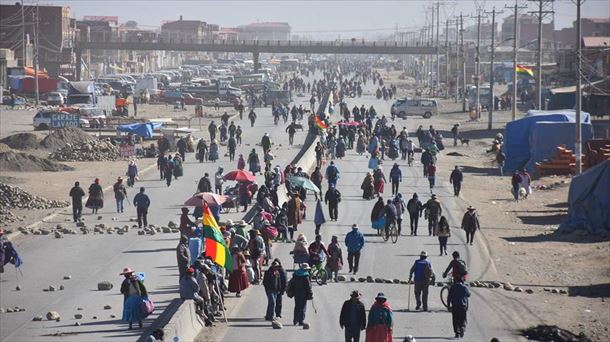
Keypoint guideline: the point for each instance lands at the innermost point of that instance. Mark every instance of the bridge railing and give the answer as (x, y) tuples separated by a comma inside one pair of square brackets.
[(296, 43)]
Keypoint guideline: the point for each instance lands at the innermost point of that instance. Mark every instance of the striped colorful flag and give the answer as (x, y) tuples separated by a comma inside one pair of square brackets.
[(215, 244), (321, 124), (524, 71)]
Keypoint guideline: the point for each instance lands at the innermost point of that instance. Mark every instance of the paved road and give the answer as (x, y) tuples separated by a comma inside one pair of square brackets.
[(491, 314), (93, 258)]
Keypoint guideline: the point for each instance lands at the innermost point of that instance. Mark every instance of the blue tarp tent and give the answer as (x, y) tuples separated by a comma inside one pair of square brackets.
[(517, 136), (144, 130), (589, 201), (546, 136)]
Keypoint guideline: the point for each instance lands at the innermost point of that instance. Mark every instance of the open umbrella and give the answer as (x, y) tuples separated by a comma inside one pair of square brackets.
[(199, 199), (240, 176), (304, 183)]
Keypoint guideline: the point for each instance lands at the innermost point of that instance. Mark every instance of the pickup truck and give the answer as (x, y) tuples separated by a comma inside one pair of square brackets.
[(173, 96)]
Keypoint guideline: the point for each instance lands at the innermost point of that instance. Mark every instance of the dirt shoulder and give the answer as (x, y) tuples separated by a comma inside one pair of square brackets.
[(521, 236)]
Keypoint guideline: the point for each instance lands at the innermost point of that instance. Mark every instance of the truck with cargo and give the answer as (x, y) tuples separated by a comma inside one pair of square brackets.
[(83, 92)]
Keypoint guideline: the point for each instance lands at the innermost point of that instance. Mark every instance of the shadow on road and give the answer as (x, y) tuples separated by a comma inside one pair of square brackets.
[(590, 291), (543, 220), (150, 250)]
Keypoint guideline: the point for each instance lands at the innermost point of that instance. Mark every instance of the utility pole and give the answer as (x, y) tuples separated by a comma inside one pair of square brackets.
[(578, 142), (463, 60), (515, 44), (540, 13), (447, 58), (477, 72), (23, 43), (492, 102), (438, 21), (457, 58), (36, 34)]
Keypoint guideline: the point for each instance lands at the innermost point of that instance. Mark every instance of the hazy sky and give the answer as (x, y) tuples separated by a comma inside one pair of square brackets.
[(325, 19)]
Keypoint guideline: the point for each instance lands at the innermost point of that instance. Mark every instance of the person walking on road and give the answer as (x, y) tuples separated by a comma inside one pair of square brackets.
[(133, 291), (455, 131), (141, 202), (456, 179), (218, 181), (334, 263), (319, 218), (470, 224), (379, 181), (424, 277), (169, 171), (354, 241), (353, 317), (161, 164), (399, 203), (432, 175), (212, 130), (238, 279), (96, 197), (274, 282), (119, 194), (516, 181), (204, 185), (415, 208), (77, 193), (299, 287), (457, 301), (333, 198), (391, 215), (381, 321), (395, 178), (332, 174), (434, 212), (443, 233)]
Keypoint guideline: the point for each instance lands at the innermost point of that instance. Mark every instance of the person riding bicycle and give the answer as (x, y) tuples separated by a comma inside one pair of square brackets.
[(457, 267), (316, 249), (390, 217)]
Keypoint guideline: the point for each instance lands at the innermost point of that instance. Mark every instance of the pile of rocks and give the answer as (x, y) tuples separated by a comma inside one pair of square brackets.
[(15, 197), (8, 217), (93, 150)]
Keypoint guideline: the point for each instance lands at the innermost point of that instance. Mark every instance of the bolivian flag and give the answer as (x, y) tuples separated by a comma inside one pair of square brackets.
[(215, 245), (524, 71), (321, 124)]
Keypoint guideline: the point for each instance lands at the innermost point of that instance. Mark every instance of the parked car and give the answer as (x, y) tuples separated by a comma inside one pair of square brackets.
[(55, 98), (42, 120), (414, 107)]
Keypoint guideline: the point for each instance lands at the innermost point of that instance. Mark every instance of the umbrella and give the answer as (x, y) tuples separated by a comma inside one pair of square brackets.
[(350, 123), (240, 176), (199, 199), (304, 183)]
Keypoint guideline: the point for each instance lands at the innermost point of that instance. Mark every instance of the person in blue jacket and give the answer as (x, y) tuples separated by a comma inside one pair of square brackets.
[(354, 241), (395, 178), (458, 305)]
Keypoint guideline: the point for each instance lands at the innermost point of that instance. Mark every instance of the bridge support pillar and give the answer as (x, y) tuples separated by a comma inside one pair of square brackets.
[(256, 58), (79, 65)]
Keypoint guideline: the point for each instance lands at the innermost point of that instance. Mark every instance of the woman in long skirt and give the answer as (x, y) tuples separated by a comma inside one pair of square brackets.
[(238, 279), (96, 197), (133, 291)]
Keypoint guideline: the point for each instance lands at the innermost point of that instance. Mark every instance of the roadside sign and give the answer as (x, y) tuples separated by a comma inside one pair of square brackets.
[(61, 119), (127, 150)]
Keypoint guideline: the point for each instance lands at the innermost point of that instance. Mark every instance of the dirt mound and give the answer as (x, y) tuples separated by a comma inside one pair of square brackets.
[(18, 161), (548, 333), (22, 141), (60, 137)]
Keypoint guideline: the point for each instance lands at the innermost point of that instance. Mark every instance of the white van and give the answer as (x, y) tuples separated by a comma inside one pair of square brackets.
[(414, 107)]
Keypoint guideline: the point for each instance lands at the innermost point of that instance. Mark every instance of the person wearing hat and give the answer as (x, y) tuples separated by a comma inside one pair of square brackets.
[(134, 292), (424, 277), (470, 224), (186, 225), (380, 322), (189, 289), (395, 178), (434, 212), (379, 181), (266, 142), (95, 200), (368, 187), (300, 288), (319, 151), (354, 241), (77, 193), (457, 301), (315, 249), (334, 263), (119, 194), (353, 317), (237, 240), (256, 247), (254, 163), (238, 279), (141, 202), (274, 282), (294, 212)]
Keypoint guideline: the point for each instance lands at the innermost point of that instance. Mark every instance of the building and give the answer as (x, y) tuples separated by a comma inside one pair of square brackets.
[(184, 30), (265, 31), (528, 31), (227, 33), (56, 38), (589, 27)]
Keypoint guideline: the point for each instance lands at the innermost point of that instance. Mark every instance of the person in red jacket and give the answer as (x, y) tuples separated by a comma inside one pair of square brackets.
[(431, 175)]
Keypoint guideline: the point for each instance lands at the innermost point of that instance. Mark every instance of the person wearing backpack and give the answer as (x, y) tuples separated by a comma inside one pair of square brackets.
[(424, 277), (332, 174), (299, 288), (457, 267)]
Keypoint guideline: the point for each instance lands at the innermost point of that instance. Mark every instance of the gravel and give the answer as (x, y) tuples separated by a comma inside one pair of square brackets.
[(15, 197), (94, 150), (60, 137)]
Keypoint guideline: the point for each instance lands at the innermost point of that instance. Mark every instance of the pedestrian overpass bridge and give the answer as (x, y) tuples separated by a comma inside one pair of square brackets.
[(256, 47)]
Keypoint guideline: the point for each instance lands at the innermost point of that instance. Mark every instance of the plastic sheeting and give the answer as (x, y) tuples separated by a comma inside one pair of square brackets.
[(546, 136), (517, 146), (589, 201), (144, 130)]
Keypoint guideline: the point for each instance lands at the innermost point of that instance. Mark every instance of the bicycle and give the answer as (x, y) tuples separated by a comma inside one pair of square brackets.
[(318, 274), (445, 291), (392, 234)]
